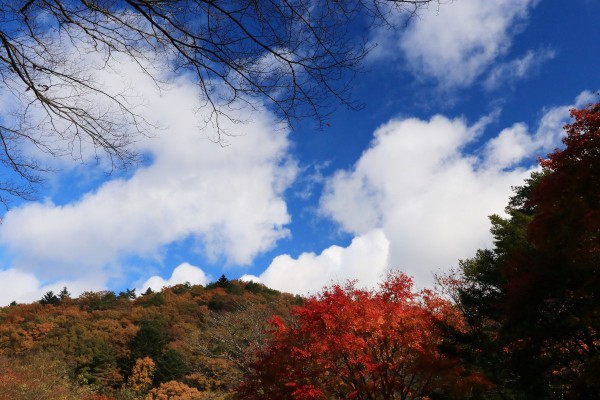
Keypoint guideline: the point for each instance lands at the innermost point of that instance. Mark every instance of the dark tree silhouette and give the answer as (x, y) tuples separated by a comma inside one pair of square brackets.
[(50, 299), (532, 301)]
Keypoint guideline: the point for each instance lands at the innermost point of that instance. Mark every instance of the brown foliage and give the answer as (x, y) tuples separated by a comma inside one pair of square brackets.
[(38, 376)]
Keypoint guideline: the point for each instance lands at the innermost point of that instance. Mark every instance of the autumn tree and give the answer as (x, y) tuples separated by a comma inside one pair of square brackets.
[(553, 289), (293, 55), (40, 376), (228, 342), (532, 301), (174, 390), (350, 343), (140, 380)]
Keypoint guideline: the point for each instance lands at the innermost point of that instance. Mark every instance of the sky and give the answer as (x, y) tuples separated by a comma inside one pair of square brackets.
[(458, 107)]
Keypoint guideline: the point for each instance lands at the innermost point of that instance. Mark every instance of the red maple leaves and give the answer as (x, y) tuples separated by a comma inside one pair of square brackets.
[(567, 200), (349, 343)]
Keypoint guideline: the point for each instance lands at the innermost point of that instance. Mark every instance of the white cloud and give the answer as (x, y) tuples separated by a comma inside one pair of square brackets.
[(457, 41), (429, 196), (18, 286), (520, 68), (229, 199), (24, 287), (514, 144), (181, 274), (365, 260)]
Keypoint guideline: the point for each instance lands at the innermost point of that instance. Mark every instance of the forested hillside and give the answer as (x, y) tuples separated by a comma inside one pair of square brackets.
[(187, 339)]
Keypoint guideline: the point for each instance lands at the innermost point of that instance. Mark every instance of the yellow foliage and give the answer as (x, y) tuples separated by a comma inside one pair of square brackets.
[(174, 390), (141, 375)]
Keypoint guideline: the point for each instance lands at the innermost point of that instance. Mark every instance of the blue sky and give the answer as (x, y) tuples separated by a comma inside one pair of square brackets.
[(458, 106)]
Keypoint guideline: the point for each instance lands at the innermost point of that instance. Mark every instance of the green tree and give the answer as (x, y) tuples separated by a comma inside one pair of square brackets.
[(150, 340), (50, 299), (101, 368), (222, 282), (170, 365), (128, 294), (64, 294)]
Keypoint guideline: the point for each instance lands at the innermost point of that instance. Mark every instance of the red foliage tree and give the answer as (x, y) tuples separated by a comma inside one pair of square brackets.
[(567, 200), (349, 343), (553, 287)]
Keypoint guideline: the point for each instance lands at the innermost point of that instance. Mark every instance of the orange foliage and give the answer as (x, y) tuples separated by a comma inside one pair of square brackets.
[(141, 375), (39, 377), (92, 337), (23, 337)]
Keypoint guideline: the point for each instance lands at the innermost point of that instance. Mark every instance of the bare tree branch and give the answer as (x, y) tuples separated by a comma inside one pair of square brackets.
[(295, 57)]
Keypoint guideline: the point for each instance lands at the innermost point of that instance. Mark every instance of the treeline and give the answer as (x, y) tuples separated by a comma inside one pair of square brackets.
[(518, 321)]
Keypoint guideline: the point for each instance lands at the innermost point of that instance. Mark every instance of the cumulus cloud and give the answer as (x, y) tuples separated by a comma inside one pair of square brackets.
[(515, 143), (229, 199), (18, 286), (25, 287), (456, 42), (428, 195), (365, 260), (184, 273)]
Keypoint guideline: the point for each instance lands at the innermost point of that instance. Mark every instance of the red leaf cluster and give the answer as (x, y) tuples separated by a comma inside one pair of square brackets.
[(350, 343), (553, 286), (567, 200)]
